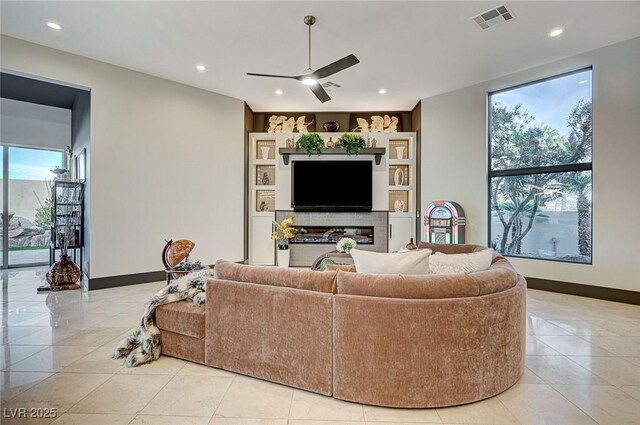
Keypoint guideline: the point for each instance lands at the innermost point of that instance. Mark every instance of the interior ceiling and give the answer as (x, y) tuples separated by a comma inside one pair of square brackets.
[(412, 49)]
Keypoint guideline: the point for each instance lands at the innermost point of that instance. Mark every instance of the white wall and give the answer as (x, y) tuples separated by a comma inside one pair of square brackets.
[(30, 124), (166, 161), (454, 158)]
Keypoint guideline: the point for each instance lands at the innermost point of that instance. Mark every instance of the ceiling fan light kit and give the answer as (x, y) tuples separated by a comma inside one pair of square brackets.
[(309, 76)]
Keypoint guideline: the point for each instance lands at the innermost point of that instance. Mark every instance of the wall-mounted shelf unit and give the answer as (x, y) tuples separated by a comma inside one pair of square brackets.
[(377, 152)]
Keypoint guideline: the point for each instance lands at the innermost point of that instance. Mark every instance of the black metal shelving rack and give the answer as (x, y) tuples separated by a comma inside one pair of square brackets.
[(61, 219)]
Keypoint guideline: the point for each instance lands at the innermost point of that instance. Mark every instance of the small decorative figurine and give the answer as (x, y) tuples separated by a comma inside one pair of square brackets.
[(399, 205), (263, 206), (289, 143), (374, 142), (265, 179)]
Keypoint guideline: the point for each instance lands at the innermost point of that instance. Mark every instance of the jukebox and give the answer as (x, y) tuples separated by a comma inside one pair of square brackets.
[(444, 223)]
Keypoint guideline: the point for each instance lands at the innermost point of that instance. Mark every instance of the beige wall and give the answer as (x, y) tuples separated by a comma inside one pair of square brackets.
[(454, 162), (166, 161)]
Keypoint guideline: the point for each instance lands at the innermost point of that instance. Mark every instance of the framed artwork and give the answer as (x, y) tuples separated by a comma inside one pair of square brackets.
[(81, 165)]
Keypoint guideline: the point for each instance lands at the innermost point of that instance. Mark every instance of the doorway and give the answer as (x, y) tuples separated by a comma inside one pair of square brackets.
[(26, 204)]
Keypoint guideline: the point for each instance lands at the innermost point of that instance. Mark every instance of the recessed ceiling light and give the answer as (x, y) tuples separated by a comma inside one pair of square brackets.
[(556, 32), (201, 68), (54, 25), (583, 82), (382, 91), (309, 81), (279, 92)]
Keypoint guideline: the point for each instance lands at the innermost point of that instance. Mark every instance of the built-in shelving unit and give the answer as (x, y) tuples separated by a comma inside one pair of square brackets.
[(394, 179), (401, 189), (263, 175)]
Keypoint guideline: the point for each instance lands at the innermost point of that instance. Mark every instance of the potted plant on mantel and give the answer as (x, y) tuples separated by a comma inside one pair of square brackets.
[(281, 235), (352, 143), (311, 143)]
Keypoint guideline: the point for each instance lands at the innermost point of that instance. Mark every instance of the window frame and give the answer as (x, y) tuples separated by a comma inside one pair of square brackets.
[(562, 168)]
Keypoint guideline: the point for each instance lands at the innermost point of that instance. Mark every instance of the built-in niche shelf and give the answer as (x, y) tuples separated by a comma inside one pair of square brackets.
[(287, 152)]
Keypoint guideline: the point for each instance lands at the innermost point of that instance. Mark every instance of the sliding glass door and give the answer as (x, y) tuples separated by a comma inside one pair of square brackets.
[(26, 188)]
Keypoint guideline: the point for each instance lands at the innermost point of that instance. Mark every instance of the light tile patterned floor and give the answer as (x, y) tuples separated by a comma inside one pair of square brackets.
[(582, 367)]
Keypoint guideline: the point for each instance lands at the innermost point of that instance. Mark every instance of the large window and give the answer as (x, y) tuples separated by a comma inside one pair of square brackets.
[(27, 181), (540, 145)]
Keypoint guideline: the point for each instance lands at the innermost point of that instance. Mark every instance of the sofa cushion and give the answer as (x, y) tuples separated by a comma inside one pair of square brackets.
[(181, 317), (489, 281), (277, 276), (440, 263), (408, 263), (183, 346)]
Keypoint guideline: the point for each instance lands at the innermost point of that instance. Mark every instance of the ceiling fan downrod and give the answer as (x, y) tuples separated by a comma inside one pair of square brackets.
[(309, 20)]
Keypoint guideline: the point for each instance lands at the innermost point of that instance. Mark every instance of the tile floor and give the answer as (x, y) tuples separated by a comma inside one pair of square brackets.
[(582, 367)]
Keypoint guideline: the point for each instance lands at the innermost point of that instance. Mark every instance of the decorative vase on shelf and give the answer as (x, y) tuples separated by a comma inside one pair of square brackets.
[(398, 177), (374, 143), (399, 205), (330, 143), (265, 152), (63, 274), (283, 257), (400, 152), (331, 126)]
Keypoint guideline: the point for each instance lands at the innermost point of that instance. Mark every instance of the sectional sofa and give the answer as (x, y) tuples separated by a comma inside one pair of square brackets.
[(387, 340)]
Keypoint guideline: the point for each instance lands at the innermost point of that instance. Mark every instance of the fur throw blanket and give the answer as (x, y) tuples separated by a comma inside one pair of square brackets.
[(144, 344)]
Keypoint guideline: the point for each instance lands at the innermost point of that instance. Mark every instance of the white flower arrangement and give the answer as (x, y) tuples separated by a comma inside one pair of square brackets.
[(345, 245)]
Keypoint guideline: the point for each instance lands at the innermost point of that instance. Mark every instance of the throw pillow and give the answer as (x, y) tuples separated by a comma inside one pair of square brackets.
[(411, 262), (440, 263)]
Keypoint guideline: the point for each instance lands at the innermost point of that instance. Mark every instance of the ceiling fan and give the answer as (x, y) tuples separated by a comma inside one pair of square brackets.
[(309, 76)]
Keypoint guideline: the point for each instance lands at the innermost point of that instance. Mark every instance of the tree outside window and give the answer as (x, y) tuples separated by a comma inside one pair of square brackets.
[(540, 153)]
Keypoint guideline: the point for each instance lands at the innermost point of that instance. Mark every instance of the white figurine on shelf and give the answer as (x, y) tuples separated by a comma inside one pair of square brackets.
[(272, 124), (275, 123), (377, 124), (363, 125), (288, 125), (301, 125)]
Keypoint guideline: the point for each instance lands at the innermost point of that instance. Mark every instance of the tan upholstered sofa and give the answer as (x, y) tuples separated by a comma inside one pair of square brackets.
[(388, 340)]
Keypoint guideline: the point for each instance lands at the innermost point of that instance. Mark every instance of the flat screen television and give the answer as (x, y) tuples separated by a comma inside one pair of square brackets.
[(331, 185)]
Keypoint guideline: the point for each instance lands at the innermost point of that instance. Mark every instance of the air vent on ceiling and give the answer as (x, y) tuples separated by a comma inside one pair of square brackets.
[(493, 17), (330, 85)]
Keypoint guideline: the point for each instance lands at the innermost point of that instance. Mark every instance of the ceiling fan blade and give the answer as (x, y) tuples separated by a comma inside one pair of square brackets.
[(336, 66), (320, 92), (273, 76)]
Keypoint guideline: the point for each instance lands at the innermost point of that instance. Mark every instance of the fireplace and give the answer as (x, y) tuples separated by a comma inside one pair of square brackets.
[(318, 232)]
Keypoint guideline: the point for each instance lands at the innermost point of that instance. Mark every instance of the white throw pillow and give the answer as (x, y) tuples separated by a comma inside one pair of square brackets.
[(440, 263), (411, 262)]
